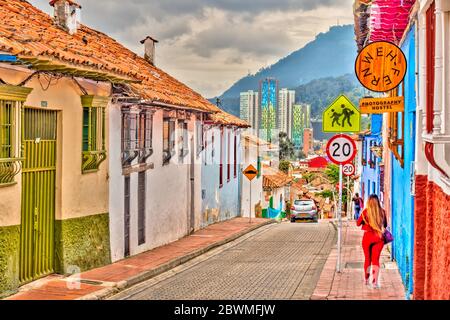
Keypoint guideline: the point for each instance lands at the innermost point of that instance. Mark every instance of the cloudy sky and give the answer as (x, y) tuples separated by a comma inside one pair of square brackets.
[(209, 44)]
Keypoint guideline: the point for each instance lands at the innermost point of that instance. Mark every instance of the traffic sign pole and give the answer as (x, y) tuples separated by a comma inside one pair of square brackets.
[(339, 220), (349, 211), (341, 150), (250, 211)]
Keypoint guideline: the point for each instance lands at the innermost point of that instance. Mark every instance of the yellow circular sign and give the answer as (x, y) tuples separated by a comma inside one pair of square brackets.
[(381, 66)]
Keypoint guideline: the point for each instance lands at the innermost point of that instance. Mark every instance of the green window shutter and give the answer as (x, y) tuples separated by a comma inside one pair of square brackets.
[(85, 129)]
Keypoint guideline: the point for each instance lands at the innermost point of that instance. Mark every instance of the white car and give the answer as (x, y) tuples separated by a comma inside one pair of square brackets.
[(304, 209)]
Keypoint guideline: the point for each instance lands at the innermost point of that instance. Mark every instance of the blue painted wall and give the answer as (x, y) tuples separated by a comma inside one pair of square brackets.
[(370, 178), (402, 199)]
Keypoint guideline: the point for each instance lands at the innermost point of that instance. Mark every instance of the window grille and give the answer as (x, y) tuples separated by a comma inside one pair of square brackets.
[(93, 133), (168, 140), (10, 164)]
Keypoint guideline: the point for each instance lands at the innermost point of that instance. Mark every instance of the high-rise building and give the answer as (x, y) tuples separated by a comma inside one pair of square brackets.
[(308, 141), (249, 108), (268, 92), (301, 120), (286, 99)]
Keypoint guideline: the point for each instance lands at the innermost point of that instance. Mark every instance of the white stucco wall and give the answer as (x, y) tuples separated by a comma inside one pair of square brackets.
[(250, 157), (220, 203), (76, 194), (167, 192)]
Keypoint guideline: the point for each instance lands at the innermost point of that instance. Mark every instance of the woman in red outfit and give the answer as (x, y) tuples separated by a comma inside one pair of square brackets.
[(373, 221)]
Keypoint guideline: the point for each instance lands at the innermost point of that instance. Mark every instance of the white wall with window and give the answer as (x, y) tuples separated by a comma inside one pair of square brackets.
[(221, 171), (158, 160)]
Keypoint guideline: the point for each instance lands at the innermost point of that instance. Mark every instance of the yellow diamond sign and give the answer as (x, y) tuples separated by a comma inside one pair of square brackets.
[(341, 116)]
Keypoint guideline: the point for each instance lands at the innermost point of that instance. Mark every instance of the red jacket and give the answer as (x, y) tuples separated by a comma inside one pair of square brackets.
[(365, 226)]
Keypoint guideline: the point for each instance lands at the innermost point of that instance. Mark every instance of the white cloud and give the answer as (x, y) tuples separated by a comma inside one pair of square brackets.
[(209, 44)]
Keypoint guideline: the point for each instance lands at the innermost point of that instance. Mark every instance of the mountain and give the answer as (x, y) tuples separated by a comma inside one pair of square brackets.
[(320, 93), (331, 54)]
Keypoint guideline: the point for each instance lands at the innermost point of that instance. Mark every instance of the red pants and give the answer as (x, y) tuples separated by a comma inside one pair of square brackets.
[(372, 245)]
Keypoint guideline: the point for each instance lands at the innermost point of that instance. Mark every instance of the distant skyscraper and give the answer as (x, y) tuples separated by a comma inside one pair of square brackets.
[(286, 100), (249, 108), (301, 120), (268, 89), (307, 110), (308, 141)]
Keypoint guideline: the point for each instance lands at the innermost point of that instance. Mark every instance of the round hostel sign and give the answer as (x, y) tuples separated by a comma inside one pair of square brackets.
[(381, 66), (341, 149)]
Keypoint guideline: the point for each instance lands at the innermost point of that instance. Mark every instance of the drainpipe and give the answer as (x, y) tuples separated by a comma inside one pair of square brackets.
[(430, 147)]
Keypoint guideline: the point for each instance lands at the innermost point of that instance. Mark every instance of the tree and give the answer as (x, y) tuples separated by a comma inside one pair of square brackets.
[(284, 166), (309, 177), (332, 173), (301, 155), (286, 147)]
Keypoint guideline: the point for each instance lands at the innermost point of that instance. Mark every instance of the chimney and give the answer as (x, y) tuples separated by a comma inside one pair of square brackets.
[(67, 14), (149, 54)]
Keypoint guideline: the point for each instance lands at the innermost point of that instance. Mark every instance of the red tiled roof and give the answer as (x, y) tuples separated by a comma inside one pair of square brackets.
[(27, 32), (227, 119), (274, 178)]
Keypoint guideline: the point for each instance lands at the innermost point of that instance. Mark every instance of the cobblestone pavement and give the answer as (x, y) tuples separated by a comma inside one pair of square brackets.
[(283, 261)]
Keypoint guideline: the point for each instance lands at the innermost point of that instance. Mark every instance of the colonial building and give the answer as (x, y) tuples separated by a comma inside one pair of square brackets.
[(253, 149), (416, 153), (100, 151), (221, 170), (276, 186)]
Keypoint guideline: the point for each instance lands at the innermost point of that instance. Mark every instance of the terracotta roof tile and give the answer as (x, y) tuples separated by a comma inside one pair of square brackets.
[(274, 178), (222, 117), (30, 33)]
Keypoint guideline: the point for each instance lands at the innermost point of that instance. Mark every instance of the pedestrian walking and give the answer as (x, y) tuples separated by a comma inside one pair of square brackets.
[(359, 204), (374, 223)]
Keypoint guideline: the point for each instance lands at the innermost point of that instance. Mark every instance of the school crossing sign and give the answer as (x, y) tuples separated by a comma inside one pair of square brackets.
[(341, 116)]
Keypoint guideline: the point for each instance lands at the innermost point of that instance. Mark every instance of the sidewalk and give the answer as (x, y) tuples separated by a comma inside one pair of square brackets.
[(102, 282), (349, 284)]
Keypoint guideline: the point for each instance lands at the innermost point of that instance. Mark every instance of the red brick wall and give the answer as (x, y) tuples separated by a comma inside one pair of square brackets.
[(432, 241)]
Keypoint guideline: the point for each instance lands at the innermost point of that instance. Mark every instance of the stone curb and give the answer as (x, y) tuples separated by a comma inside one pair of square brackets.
[(146, 275)]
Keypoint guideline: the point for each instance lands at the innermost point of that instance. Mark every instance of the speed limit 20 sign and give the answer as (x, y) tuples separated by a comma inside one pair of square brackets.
[(341, 149), (348, 169)]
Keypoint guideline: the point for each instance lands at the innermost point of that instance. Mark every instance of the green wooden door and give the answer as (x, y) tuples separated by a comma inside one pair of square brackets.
[(38, 194)]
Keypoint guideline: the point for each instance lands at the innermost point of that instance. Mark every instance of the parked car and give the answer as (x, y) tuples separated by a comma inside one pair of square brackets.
[(304, 209)]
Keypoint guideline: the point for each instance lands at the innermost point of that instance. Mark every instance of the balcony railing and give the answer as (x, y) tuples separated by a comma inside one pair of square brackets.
[(92, 160), (9, 168)]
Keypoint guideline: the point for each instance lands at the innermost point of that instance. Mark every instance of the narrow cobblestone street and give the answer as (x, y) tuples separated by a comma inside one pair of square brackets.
[(283, 261)]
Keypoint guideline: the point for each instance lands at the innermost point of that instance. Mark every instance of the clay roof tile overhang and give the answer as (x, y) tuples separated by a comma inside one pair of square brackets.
[(38, 43), (223, 118), (274, 178), (381, 20)]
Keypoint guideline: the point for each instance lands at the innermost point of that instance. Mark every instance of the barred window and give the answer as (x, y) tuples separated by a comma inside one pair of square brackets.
[(93, 138), (222, 142), (11, 103), (137, 131), (7, 122), (9, 141), (183, 139), (168, 140), (200, 134), (235, 156)]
